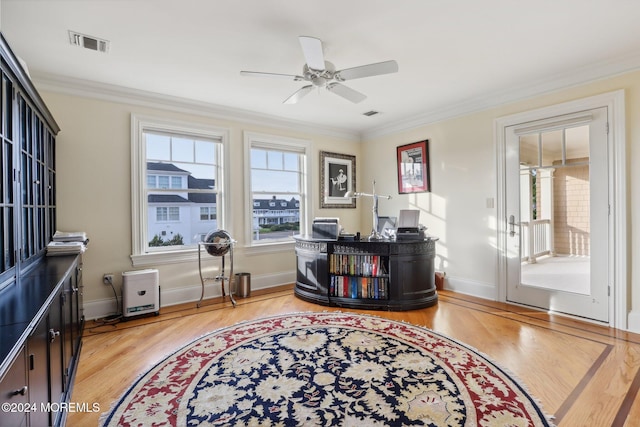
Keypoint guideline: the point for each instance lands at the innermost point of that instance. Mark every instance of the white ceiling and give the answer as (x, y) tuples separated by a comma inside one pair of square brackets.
[(454, 56)]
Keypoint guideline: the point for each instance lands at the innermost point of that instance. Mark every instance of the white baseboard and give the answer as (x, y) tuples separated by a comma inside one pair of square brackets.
[(98, 309), (634, 321), (470, 287)]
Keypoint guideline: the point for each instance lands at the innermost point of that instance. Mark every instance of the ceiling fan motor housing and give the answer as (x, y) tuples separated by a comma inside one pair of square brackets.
[(319, 77)]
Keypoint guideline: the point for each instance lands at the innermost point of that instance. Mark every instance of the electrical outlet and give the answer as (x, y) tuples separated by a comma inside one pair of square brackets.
[(107, 279)]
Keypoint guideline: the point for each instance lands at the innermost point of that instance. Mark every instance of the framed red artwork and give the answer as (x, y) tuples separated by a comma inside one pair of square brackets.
[(413, 167)]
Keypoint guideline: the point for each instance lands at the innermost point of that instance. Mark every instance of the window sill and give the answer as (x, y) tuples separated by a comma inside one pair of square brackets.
[(269, 248), (188, 255), (169, 257)]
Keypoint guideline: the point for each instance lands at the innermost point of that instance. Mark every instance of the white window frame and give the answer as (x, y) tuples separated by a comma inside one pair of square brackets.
[(275, 142), (140, 124)]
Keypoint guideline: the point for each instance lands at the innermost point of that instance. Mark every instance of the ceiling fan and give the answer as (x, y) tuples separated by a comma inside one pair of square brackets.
[(321, 73)]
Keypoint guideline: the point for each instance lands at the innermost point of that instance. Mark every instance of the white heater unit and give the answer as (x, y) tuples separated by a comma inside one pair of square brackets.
[(140, 292)]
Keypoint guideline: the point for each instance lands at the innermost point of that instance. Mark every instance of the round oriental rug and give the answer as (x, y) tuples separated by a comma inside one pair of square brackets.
[(325, 369)]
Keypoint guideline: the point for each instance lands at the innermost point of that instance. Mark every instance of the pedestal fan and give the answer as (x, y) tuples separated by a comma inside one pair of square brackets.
[(217, 243)]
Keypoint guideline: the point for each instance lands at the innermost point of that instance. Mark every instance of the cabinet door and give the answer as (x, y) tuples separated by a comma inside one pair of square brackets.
[(312, 272), (412, 278), (78, 311), (14, 391), (38, 361), (69, 318), (56, 351)]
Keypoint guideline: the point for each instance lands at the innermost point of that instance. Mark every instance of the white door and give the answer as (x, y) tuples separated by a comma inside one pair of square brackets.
[(557, 205)]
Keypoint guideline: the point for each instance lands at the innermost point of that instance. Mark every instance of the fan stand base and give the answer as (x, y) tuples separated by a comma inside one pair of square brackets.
[(219, 278)]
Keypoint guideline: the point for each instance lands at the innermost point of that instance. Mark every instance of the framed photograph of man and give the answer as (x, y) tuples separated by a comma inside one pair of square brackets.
[(337, 176), (413, 167)]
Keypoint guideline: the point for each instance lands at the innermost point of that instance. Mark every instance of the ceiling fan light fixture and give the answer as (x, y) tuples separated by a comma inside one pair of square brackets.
[(319, 81)]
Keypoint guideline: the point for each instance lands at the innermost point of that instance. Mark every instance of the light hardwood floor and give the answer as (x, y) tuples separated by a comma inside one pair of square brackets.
[(585, 374)]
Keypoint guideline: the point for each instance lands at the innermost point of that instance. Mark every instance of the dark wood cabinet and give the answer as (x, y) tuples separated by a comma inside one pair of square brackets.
[(379, 275), (14, 391), (41, 316), (46, 334)]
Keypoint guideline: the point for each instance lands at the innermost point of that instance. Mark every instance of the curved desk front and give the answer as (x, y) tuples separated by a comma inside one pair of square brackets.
[(379, 275)]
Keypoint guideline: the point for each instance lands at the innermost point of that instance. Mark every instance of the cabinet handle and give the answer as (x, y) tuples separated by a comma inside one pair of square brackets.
[(20, 392), (53, 334)]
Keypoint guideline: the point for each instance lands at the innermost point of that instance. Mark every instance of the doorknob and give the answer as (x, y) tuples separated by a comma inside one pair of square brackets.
[(512, 225)]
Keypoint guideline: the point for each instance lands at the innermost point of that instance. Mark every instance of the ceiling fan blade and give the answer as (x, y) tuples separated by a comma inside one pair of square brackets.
[(346, 92), (312, 50), (298, 95), (278, 76), (370, 70)]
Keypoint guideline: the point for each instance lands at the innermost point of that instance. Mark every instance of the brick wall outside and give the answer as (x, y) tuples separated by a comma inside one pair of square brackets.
[(571, 209)]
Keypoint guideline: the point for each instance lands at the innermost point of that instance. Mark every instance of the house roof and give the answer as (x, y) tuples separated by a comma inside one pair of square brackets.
[(200, 183), (164, 167), (166, 198), (206, 198), (266, 204)]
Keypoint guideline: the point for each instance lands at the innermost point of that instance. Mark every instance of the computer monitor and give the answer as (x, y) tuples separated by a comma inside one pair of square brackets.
[(385, 222)]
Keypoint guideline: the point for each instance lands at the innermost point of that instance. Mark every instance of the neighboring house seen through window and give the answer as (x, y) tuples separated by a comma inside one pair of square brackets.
[(178, 198), (278, 187)]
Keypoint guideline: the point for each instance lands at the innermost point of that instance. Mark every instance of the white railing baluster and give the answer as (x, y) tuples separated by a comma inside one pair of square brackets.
[(536, 239)]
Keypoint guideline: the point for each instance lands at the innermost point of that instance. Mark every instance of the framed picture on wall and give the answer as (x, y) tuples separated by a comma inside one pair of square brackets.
[(337, 176), (413, 167)]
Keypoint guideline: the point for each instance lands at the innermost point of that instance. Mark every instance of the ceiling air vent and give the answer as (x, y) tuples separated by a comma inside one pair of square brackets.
[(88, 42), (370, 113)]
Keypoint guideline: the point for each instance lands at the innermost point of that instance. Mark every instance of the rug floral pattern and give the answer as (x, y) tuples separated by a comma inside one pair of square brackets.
[(326, 369)]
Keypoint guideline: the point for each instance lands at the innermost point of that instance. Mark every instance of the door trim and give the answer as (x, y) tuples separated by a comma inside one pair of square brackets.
[(614, 101)]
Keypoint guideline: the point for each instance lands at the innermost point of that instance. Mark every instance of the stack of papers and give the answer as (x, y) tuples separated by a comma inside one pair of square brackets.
[(67, 243), (70, 236)]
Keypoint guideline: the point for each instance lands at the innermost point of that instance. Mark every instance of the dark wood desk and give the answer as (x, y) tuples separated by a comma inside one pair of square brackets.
[(378, 275)]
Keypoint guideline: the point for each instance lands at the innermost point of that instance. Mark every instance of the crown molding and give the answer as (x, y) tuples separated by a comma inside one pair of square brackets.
[(564, 80), (579, 76), (106, 92)]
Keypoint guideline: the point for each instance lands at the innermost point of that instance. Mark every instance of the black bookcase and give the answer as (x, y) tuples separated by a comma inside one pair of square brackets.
[(377, 275), (27, 158), (41, 315)]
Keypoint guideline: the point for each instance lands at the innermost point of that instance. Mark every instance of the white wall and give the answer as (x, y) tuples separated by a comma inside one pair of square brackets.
[(463, 178), (94, 195)]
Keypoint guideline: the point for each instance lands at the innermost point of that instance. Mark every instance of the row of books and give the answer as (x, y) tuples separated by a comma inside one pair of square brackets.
[(67, 243), (358, 287), (361, 265)]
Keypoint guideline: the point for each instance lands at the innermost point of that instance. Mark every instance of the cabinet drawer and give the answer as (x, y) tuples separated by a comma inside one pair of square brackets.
[(13, 387)]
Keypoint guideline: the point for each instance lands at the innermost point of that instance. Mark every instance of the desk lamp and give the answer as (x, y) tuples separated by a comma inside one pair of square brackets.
[(375, 235)]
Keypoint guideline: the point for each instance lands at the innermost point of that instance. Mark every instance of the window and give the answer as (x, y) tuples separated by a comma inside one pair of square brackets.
[(207, 214), (164, 182), (178, 180), (167, 214), (277, 203)]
